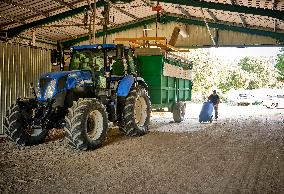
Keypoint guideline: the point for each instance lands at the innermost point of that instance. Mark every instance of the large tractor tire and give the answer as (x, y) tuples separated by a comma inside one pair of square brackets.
[(136, 112), (179, 111), (86, 124), (18, 130)]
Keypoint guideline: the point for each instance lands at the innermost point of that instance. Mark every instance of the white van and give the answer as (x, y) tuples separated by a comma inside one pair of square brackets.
[(244, 99), (274, 102)]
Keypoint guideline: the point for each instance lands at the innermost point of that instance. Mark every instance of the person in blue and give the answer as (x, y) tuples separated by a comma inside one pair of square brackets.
[(214, 98)]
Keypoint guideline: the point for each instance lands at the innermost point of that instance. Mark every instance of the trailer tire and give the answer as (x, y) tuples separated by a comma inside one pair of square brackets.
[(86, 124), (178, 111), (136, 112), (18, 131)]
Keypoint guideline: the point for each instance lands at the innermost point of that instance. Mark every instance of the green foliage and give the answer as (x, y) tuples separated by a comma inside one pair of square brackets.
[(234, 80), (251, 66), (280, 65), (250, 73), (203, 79), (246, 65), (259, 73)]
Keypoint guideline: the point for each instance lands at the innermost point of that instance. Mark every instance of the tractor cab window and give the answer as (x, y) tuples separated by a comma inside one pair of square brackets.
[(92, 60), (80, 60)]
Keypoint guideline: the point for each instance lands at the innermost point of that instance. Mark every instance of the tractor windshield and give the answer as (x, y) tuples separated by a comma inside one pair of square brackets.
[(92, 59)]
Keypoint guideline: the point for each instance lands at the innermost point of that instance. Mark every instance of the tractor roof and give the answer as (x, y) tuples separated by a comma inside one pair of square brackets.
[(94, 46)]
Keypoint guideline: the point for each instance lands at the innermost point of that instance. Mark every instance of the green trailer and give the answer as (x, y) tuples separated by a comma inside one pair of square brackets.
[(168, 78)]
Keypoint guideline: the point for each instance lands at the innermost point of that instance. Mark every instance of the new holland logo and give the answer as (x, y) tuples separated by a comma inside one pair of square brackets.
[(82, 82)]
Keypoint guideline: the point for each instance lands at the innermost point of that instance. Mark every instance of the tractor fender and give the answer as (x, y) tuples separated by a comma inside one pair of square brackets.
[(125, 85)]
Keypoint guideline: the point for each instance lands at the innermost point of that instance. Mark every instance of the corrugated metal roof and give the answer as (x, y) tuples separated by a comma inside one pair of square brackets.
[(58, 20)]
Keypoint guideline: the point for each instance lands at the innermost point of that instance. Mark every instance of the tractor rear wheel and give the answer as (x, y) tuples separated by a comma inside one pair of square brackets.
[(86, 124), (136, 112), (179, 111), (18, 130)]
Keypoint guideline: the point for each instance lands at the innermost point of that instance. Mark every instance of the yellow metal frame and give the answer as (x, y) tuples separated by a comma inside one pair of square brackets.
[(160, 42)]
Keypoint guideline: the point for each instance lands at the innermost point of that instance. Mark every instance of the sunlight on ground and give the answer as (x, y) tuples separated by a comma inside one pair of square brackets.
[(163, 121), (225, 111)]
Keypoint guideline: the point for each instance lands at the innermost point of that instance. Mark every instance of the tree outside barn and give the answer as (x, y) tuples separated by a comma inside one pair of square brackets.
[(248, 73)]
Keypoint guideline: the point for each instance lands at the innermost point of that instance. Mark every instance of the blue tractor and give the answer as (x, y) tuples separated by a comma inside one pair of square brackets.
[(101, 86)]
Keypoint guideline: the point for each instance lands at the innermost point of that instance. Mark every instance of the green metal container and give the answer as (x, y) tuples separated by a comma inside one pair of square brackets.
[(164, 90)]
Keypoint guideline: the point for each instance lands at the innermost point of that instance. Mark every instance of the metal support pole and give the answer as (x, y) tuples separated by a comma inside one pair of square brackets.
[(94, 22), (60, 56), (106, 18), (90, 30), (273, 8), (158, 17), (34, 37)]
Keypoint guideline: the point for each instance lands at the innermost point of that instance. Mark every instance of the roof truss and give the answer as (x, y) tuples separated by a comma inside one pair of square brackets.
[(184, 20), (229, 7), (194, 3), (242, 14), (17, 30), (20, 5), (70, 5)]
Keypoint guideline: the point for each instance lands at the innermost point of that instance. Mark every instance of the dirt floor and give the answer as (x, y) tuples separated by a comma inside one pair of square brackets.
[(242, 152)]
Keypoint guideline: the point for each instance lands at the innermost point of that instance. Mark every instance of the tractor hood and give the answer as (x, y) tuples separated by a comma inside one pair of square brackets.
[(59, 74), (53, 83), (69, 77), (56, 75)]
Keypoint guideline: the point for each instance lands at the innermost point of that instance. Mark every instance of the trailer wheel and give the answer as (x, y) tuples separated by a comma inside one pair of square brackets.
[(179, 111), (19, 131), (86, 124), (136, 112)]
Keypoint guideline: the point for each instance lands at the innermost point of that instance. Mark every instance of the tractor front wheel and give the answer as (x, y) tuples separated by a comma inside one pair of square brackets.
[(136, 112), (86, 124), (18, 130)]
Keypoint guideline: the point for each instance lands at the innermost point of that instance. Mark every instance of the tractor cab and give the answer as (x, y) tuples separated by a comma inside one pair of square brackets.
[(102, 59)]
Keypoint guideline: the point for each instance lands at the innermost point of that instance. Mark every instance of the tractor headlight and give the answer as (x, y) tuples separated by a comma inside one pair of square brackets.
[(50, 89)]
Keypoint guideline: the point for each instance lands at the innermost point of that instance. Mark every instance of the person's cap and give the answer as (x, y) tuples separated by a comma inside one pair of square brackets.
[(214, 91)]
